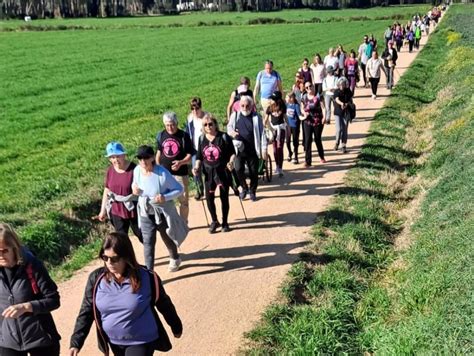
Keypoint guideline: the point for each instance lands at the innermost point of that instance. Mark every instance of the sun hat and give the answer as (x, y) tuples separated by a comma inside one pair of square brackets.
[(114, 149), (144, 152)]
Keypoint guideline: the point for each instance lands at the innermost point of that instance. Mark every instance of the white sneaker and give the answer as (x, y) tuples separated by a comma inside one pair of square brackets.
[(174, 265), (373, 96), (277, 171)]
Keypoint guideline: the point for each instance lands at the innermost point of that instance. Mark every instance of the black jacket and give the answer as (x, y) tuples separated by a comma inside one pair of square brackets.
[(89, 313), (386, 56), (35, 329)]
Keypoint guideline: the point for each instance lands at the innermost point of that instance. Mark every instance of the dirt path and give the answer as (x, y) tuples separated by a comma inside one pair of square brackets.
[(227, 280)]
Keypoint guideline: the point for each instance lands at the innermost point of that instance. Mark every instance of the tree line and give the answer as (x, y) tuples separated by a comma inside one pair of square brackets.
[(40, 9)]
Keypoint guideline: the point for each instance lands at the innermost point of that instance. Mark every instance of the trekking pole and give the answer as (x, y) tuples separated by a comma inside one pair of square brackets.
[(234, 183), (202, 201)]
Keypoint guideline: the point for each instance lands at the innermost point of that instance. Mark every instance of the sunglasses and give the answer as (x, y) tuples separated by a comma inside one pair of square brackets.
[(4, 250), (308, 87), (208, 124), (112, 259)]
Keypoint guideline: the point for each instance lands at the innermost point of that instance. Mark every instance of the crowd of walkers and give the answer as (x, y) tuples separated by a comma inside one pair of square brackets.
[(123, 298)]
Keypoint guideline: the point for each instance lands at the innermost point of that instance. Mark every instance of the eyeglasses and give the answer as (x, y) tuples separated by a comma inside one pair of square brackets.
[(208, 124), (308, 86), (195, 107), (4, 251), (112, 259)]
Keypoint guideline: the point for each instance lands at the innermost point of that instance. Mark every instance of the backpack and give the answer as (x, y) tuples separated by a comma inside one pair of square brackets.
[(410, 36)]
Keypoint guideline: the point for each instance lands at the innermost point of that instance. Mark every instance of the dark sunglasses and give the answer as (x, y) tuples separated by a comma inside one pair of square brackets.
[(208, 124), (308, 86), (112, 259)]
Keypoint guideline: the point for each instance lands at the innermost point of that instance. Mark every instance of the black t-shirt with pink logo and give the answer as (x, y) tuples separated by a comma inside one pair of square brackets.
[(214, 157), (216, 153), (173, 148)]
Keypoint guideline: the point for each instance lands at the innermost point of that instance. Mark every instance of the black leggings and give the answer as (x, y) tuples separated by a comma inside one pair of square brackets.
[(310, 132), (52, 350), (374, 83), (211, 205), (122, 225), (133, 350), (293, 140)]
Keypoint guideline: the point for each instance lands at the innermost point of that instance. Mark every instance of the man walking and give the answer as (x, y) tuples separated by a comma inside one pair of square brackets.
[(246, 129), (268, 81), (173, 151), (363, 58)]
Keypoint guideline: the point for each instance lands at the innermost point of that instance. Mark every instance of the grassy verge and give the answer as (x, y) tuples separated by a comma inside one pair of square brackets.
[(390, 269)]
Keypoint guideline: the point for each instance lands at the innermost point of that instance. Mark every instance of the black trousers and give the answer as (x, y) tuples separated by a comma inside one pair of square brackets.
[(374, 83), (252, 162), (311, 132), (364, 75), (122, 225), (293, 140), (52, 350), (211, 205), (133, 350)]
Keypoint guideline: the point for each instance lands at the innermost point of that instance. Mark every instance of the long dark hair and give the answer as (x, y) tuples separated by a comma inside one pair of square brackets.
[(121, 245)]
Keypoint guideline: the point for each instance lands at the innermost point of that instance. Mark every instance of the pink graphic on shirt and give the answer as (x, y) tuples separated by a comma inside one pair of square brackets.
[(170, 147), (211, 153)]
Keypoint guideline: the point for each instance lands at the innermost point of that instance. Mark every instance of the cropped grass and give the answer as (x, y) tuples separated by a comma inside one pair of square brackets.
[(390, 269), (67, 93)]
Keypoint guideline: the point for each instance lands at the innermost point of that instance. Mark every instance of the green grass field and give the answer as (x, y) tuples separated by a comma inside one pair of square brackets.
[(67, 93), (209, 18), (390, 269)]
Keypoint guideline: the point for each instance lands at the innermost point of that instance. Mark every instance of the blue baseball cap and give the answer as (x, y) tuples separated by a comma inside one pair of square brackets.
[(114, 149)]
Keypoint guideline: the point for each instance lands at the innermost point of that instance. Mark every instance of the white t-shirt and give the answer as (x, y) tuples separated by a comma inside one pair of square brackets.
[(332, 61), (318, 72), (197, 129), (363, 56)]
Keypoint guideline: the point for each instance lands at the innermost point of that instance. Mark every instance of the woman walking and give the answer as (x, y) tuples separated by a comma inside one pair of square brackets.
[(374, 67), (329, 85), (156, 189), (313, 124), (305, 71), (342, 100), (118, 202), (194, 130), (215, 155), (292, 114), (27, 297), (277, 123), (319, 72), (123, 298), (234, 100), (352, 70)]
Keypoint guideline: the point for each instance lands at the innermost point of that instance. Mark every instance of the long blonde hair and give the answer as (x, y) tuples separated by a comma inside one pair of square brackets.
[(10, 238)]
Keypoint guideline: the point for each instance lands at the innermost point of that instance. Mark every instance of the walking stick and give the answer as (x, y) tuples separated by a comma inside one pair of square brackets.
[(234, 187), (202, 201)]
